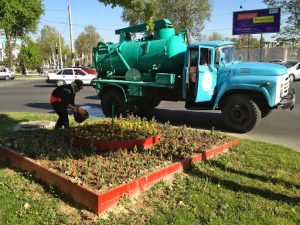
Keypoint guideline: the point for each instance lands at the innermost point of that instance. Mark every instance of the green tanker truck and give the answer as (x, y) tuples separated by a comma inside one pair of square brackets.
[(138, 74)]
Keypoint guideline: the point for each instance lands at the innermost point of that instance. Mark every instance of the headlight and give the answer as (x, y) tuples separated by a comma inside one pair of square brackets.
[(282, 87)]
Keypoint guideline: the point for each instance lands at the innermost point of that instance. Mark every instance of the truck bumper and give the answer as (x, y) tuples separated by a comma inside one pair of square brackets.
[(288, 101)]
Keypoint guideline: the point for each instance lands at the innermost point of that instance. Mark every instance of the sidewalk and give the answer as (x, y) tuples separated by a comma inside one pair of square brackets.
[(30, 77)]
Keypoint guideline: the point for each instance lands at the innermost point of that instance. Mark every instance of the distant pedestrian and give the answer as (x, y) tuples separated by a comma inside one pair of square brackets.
[(62, 98)]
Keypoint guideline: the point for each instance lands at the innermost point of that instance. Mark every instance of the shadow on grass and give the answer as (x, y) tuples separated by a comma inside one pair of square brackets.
[(7, 123), (223, 167), (40, 106), (237, 187)]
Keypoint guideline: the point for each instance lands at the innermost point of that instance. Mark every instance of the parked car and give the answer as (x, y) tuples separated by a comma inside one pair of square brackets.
[(67, 75), (293, 69), (7, 74), (277, 61)]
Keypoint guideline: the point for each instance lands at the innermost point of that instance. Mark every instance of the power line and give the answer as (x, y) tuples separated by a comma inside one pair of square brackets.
[(55, 10), (55, 18), (74, 24)]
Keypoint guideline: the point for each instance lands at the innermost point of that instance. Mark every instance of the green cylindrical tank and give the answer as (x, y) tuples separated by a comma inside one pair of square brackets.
[(162, 52)]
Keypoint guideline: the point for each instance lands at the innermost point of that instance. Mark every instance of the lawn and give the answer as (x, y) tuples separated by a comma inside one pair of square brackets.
[(253, 183)]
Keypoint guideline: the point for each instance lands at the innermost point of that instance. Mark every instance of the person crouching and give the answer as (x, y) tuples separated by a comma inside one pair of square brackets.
[(62, 98)]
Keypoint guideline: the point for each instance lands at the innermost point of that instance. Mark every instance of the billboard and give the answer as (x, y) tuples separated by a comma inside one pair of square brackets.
[(256, 21)]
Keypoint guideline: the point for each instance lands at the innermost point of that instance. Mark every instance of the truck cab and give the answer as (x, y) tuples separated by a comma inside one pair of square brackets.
[(244, 91)]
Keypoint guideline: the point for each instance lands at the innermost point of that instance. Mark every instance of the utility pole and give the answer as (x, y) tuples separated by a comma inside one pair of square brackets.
[(57, 56), (71, 34), (261, 47), (60, 52)]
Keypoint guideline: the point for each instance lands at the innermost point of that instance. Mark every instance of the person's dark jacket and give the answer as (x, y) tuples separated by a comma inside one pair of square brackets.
[(63, 94)]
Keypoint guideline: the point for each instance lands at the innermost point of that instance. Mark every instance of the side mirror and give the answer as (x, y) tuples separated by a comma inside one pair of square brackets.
[(222, 59)]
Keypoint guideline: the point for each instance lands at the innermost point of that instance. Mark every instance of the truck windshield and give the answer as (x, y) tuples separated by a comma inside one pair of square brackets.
[(230, 53)]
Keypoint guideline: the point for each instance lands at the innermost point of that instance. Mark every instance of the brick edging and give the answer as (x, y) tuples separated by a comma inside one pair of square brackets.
[(100, 203)]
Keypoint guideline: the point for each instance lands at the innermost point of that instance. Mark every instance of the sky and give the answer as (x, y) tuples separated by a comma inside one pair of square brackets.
[(107, 19)]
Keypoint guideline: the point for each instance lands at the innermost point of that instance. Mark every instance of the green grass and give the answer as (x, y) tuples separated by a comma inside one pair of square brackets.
[(253, 183), (22, 201)]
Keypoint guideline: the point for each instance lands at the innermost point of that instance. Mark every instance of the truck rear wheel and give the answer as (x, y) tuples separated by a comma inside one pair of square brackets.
[(241, 113), (113, 100)]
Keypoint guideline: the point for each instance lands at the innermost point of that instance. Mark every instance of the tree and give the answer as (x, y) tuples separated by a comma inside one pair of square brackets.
[(189, 14), (215, 36), (48, 43), (291, 9), (146, 7), (29, 56), (17, 19), (242, 42), (85, 42)]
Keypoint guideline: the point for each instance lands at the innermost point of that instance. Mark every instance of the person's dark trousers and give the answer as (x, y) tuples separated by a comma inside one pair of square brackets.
[(62, 112)]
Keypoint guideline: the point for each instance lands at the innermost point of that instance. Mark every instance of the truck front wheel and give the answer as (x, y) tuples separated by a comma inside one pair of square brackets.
[(113, 103), (240, 113)]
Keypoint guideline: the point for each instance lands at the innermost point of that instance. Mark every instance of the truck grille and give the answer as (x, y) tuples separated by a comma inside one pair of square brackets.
[(285, 87)]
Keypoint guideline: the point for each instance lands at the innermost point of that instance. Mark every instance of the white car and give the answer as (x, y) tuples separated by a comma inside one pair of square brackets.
[(293, 70), (7, 74), (67, 75)]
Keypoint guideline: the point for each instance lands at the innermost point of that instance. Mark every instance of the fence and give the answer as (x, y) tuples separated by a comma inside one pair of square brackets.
[(269, 54)]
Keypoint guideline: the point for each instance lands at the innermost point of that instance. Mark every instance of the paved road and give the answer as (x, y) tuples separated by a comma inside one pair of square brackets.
[(281, 127)]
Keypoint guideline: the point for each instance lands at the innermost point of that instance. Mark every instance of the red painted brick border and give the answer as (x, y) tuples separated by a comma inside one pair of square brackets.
[(100, 203)]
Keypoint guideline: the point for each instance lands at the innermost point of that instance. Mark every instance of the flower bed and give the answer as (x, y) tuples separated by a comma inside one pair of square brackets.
[(101, 172), (119, 133)]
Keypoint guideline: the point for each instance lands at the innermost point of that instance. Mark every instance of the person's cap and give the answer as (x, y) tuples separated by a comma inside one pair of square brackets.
[(78, 83)]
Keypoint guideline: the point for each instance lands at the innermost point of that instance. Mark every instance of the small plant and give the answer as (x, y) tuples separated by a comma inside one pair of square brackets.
[(127, 128)]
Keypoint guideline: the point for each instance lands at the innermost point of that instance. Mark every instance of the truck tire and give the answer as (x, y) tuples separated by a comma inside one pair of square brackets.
[(240, 113), (113, 97), (265, 111)]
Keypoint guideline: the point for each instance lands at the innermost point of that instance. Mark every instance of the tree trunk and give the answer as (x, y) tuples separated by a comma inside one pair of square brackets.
[(9, 53)]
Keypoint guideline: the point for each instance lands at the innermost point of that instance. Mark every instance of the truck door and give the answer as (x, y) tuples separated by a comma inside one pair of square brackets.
[(206, 79)]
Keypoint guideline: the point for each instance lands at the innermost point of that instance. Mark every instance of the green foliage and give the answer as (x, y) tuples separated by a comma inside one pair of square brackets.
[(189, 14), (29, 56), (47, 42), (243, 42), (291, 10), (17, 19), (215, 36), (85, 42)]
